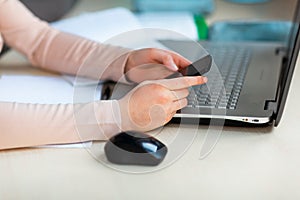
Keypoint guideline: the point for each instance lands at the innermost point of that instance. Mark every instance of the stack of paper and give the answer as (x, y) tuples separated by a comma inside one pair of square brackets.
[(100, 26), (119, 26), (181, 23), (35, 89)]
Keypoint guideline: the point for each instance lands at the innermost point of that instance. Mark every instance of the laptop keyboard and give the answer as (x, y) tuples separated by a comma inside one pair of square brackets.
[(224, 85)]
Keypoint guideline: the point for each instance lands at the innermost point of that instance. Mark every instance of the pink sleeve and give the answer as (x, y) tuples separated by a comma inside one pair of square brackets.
[(24, 125), (27, 125), (54, 50)]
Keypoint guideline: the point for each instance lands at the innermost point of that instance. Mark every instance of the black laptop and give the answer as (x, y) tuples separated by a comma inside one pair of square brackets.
[(248, 82)]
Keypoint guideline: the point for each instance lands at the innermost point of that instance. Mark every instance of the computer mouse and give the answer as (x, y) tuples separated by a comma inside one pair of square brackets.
[(135, 148)]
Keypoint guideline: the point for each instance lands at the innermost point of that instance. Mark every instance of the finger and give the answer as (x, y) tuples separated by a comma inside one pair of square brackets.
[(177, 105), (169, 59), (166, 59), (170, 117), (180, 94), (169, 62), (179, 60), (182, 82)]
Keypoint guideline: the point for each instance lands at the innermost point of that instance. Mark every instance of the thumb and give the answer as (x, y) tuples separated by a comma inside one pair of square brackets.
[(169, 63)]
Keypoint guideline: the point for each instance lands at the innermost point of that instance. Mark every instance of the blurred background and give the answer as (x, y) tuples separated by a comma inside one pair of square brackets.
[(196, 19), (52, 10)]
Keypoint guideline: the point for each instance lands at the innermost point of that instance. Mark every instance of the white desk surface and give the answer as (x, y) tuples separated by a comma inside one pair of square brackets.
[(246, 163)]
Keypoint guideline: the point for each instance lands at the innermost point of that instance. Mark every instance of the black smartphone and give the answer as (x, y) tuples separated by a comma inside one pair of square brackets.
[(198, 68)]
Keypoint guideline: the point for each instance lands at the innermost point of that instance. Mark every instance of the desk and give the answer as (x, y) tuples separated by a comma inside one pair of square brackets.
[(246, 163)]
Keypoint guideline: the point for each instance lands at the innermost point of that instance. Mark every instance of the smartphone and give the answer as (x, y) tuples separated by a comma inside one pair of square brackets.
[(198, 68)]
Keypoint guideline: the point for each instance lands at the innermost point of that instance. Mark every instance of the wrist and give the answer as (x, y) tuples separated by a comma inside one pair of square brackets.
[(108, 117), (122, 108)]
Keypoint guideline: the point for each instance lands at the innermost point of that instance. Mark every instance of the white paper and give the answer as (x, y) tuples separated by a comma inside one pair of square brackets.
[(43, 90), (68, 146), (80, 81), (116, 26), (104, 25), (100, 26), (35, 89), (181, 23)]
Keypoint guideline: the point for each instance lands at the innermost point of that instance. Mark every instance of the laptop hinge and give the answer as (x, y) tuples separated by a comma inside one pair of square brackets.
[(271, 105)]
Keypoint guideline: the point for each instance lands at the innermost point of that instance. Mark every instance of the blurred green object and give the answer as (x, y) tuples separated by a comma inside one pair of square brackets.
[(202, 27)]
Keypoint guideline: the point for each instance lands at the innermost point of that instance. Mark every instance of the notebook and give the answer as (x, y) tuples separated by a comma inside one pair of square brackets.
[(248, 84)]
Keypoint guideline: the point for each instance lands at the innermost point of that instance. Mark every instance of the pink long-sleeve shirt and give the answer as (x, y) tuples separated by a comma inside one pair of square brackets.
[(25, 125)]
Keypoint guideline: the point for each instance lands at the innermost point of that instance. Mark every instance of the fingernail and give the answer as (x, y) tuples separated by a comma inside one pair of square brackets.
[(173, 65), (204, 79)]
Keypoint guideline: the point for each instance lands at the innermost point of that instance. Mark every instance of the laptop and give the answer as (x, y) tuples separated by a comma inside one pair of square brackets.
[(248, 85)]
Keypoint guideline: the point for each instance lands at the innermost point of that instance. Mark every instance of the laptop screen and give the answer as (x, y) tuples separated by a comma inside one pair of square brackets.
[(288, 66)]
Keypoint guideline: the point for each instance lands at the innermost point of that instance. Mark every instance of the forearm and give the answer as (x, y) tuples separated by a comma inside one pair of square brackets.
[(66, 53), (53, 50), (27, 125)]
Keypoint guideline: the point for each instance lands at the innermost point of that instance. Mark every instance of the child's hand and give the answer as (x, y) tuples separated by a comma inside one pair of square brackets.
[(153, 103), (153, 64)]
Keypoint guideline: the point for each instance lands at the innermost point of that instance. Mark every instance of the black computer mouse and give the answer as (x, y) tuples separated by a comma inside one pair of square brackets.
[(135, 148)]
